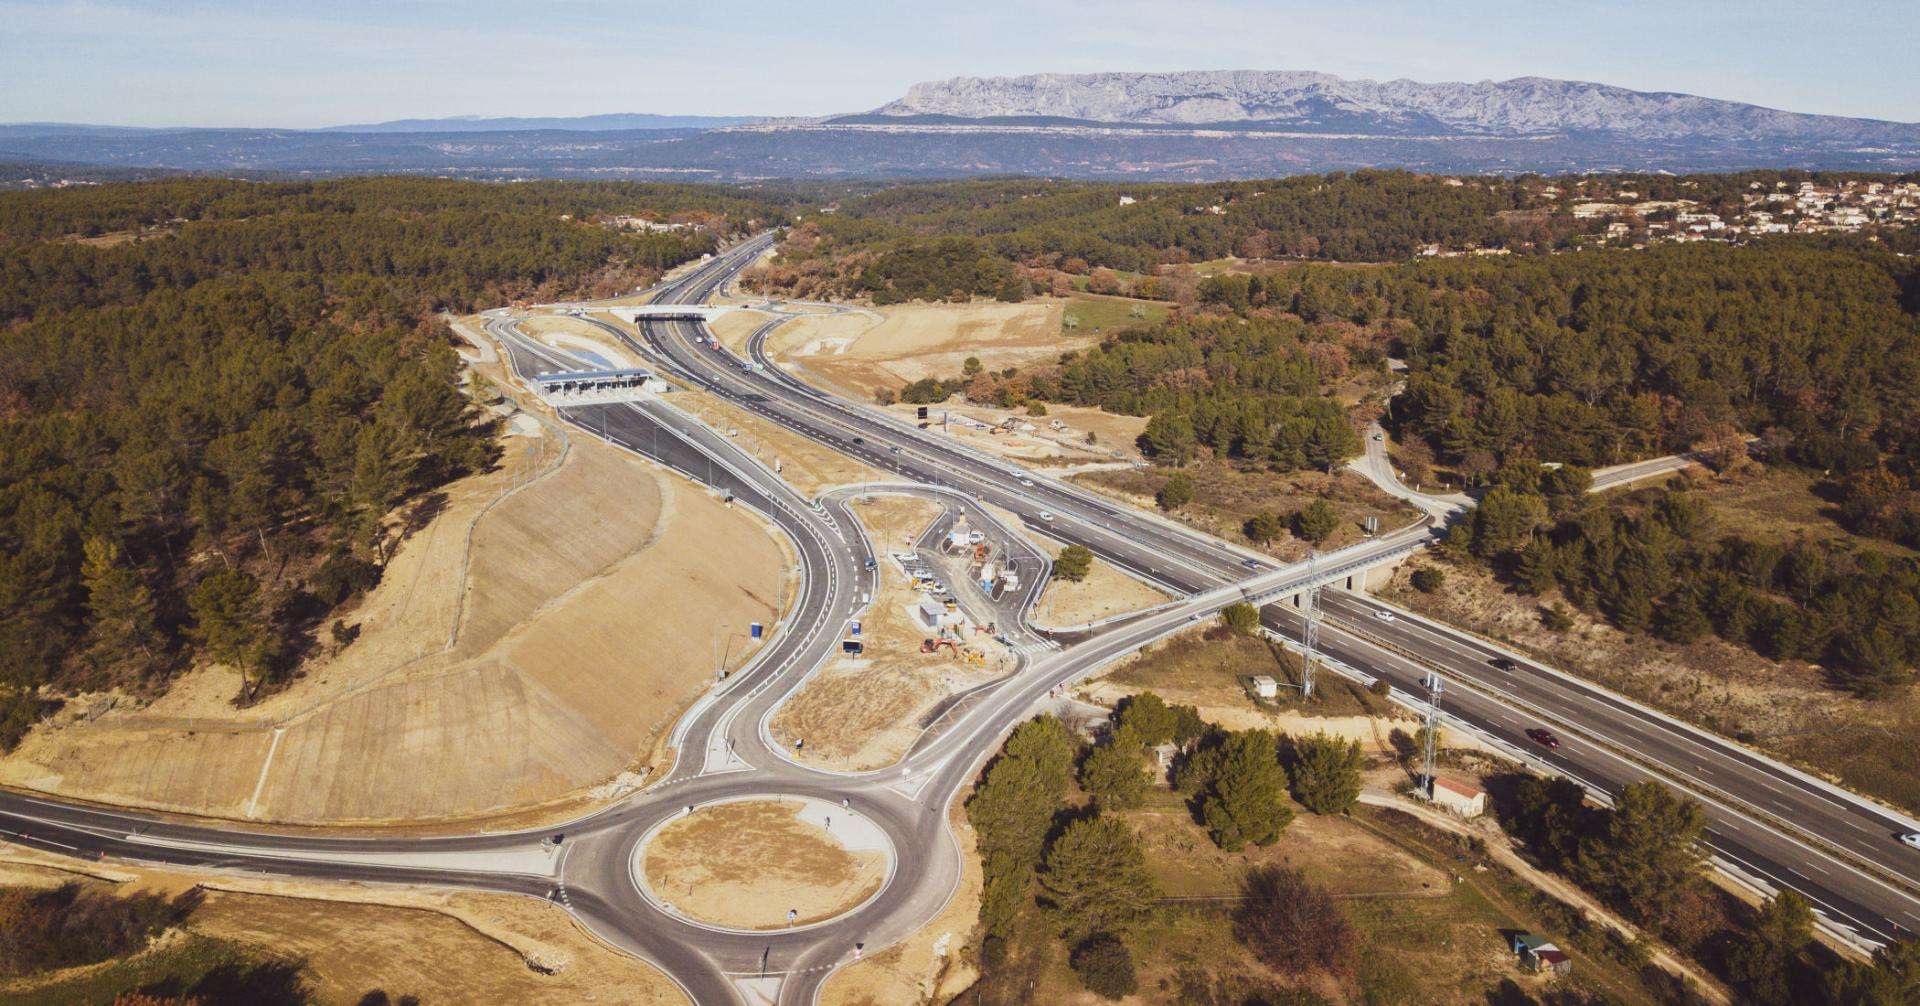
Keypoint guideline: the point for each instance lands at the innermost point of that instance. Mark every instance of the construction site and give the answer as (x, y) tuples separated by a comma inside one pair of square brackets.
[(932, 631)]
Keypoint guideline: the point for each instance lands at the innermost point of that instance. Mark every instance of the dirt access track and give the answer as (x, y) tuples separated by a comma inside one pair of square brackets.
[(529, 646)]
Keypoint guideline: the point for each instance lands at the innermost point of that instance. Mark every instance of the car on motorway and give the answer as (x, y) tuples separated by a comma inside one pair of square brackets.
[(1544, 738), (1910, 838), (1027, 482), (1502, 663), (1250, 563), (893, 450), (859, 440), (1384, 615), (1046, 515)]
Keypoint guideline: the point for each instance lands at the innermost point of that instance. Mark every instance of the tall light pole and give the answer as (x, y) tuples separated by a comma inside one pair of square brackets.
[(1435, 687), (1310, 637)]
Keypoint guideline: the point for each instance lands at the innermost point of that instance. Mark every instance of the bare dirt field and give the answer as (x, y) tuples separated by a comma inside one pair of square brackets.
[(1106, 591), (496, 666), (349, 940), (1225, 498), (805, 465), (734, 328), (857, 355), (1115, 437), (866, 712), (746, 865)]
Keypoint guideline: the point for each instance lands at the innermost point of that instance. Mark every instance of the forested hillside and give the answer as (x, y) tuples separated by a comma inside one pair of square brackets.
[(1079, 226), (203, 430), (1601, 357)]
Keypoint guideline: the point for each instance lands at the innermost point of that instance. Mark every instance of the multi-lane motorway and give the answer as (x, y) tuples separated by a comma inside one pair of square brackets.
[(1774, 824), (1781, 828)]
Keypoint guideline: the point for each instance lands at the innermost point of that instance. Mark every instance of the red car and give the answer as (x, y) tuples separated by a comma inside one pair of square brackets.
[(1544, 738)]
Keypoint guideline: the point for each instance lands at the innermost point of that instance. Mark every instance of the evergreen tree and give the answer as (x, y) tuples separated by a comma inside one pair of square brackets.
[(1112, 773), (1105, 966), (1096, 879), (1763, 959), (1648, 853), (1246, 800), (228, 622), (1316, 521), (1073, 563), (121, 608), (1178, 492), (1326, 773)]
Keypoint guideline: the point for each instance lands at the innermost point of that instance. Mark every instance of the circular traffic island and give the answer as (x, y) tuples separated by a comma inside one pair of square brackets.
[(763, 864)]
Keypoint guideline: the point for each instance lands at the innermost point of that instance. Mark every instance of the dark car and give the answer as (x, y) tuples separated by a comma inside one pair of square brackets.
[(1503, 663), (1544, 738)]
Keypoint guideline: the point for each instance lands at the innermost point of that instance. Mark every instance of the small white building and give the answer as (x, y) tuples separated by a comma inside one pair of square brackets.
[(1461, 798), (1264, 687)]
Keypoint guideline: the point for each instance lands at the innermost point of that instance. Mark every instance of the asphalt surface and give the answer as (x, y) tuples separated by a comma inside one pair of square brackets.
[(1771, 823), (1778, 827)]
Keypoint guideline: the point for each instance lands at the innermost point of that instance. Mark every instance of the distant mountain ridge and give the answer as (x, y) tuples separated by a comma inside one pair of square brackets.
[(1320, 102), (1190, 126), (612, 122)]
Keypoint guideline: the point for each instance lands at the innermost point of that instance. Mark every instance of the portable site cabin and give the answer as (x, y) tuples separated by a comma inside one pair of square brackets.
[(1539, 955)]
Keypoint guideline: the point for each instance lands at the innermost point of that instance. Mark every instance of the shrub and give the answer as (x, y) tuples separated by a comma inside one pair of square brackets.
[(1178, 492), (1105, 966), (70, 926), (1316, 521), (1426, 579), (1293, 926)]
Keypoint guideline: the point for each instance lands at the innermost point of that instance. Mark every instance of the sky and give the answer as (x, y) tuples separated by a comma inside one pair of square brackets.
[(317, 63)]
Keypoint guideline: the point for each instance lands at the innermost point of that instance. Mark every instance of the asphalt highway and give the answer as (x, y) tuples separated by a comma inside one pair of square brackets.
[(1772, 823), (1775, 827)]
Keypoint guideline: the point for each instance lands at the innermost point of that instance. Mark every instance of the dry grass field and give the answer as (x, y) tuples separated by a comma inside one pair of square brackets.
[(1106, 591), (346, 941), (527, 644), (1226, 497), (857, 355), (746, 865)]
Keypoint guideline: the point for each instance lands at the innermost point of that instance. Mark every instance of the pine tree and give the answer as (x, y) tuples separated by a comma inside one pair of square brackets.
[(1763, 958), (1096, 879), (121, 609), (1648, 853), (1113, 774), (1178, 492), (1247, 800), (227, 621), (1326, 773)]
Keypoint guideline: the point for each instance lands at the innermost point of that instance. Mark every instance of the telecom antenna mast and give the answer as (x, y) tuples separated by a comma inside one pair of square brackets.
[(1435, 687), (1310, 610)]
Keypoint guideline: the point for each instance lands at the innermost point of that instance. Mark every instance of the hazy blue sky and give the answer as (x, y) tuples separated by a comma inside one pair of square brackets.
[(271, 62)]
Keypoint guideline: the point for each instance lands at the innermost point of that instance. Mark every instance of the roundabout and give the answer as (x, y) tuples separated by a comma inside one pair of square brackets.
[(763, 864)]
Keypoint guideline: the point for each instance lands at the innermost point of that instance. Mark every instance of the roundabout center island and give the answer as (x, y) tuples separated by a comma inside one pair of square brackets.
[(763, 864)]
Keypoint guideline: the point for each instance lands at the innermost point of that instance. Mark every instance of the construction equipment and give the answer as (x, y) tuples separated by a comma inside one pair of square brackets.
[(934, 645)]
